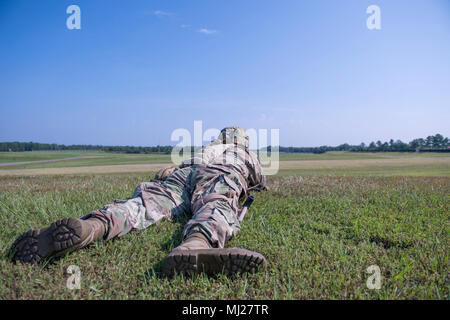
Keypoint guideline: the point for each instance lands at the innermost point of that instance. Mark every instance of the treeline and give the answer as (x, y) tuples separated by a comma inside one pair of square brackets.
[(35, 146), (436, 143)]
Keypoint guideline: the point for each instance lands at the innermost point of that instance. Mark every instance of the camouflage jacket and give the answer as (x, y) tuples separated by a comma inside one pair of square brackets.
[(237, 158)]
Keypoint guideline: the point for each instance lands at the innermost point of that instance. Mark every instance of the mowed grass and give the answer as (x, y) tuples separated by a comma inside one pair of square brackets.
[(107, 158), (406, 170), (89, 159), (9, 157), (334, 163), (319, 232)]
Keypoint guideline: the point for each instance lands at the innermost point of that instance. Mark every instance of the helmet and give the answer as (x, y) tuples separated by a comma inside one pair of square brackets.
[(233, 135)]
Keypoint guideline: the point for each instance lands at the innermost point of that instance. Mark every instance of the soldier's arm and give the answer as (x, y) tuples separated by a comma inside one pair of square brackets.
[(257, 179), (164, 173)]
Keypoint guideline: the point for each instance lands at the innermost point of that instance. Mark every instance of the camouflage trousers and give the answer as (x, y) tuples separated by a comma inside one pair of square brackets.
[(209, 195)]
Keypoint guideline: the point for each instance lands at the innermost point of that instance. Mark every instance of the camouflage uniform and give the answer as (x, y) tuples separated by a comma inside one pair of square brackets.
[(207, 188)]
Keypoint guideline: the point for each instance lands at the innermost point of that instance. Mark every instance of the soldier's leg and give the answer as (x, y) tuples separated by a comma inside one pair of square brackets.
[(61, 237), (121, 217), (215, 206), (151, 202), (214, 222), (216, 217)]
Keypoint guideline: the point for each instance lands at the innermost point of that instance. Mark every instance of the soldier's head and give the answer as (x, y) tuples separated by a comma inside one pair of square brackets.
[(233, 135)]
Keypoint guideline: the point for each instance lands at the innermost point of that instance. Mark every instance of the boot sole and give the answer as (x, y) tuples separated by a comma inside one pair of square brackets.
[(213, 261), (34, 246)]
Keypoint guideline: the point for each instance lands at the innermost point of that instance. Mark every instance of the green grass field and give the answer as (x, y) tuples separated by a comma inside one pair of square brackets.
[(88, 159), (6, 157), (104, 158), (319, 226)]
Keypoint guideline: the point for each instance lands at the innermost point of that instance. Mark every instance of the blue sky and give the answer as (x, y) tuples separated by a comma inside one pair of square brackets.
[(137, 70)]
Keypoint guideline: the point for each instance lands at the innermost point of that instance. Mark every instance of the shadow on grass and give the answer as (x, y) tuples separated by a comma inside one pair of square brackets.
[(156, 270), (168, 246)]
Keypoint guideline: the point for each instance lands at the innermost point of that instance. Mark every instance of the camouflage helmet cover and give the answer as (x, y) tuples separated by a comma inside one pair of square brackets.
[(232, 135)]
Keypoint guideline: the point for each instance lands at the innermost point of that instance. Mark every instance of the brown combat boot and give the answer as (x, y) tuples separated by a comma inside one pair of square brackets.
[(195, 255), (61, 237)]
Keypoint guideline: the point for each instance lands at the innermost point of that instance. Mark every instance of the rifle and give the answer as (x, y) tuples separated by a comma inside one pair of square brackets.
[(245, 207)]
